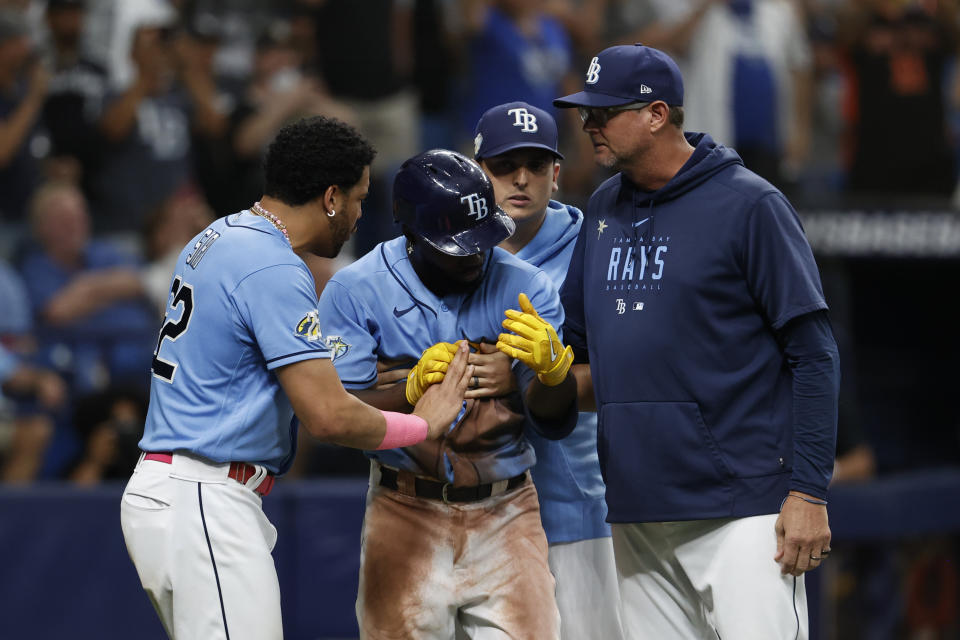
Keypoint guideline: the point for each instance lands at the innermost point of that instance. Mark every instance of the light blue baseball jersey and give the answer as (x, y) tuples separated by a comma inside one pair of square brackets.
[(378, 309), (567, 473), (242, 303)]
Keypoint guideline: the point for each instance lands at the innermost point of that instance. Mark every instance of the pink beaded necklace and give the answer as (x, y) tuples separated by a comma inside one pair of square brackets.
[(258, 210)]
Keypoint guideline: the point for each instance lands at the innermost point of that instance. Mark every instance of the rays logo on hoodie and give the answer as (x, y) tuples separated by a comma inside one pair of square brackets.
[(636, 263)]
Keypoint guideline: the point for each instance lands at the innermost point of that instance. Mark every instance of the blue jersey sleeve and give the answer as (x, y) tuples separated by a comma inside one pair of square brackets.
[(571, 297), (351, 335), (778, 262), (279, 306)]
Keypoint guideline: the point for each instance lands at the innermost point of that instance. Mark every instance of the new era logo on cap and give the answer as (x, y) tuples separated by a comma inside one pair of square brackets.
[(625, 74), (514, 125)]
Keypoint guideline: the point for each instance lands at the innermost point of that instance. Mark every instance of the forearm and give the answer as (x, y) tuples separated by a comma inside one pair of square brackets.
[(350, 423), (257, 129), (812, 354), (92, 292), (118, 119), (14, 130), (551, 403), (585, 398), (803, 103), (551, 411), (24, 379), (674, 37), (391, 398), (209, 121)]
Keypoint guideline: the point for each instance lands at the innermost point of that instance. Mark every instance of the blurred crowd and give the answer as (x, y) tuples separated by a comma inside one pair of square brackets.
[(127, 125)]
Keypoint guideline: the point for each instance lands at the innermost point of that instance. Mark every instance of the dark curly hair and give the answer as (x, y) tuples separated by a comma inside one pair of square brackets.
[(310, 155)]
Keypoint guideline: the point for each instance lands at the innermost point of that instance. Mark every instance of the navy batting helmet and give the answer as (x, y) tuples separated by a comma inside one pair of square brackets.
[(446, 199)]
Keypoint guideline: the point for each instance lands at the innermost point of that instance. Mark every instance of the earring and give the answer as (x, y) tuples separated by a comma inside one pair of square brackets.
[(331, 213)]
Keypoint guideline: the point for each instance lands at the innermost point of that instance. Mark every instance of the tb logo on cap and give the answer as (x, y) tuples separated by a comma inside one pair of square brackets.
[(524, 119), (477, 205), (593, 72)]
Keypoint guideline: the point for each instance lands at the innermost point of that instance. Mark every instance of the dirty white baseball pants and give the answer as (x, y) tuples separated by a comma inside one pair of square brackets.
[(587, 593), (201, 545), (706, 579), (426, 566)]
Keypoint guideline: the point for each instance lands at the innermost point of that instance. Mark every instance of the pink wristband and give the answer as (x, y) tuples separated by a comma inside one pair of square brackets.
[(403, 430)]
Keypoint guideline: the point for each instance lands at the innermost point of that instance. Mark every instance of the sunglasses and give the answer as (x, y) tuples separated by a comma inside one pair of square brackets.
[(601, 115)]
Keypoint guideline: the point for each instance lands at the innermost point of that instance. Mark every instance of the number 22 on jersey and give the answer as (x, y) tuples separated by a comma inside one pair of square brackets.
[(171, 330)]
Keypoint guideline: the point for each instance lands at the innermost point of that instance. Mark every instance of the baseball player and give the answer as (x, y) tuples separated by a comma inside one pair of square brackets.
[(516, 145), (483, 563), (239, 353)]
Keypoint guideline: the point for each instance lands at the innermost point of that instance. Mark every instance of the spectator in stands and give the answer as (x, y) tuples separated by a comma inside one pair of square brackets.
[(28, 395), (229, 180), (520, 50), (369, 70), (111, 424), (747, 74), (23, 88), (147, 127), (72, 110), (516, 52), (97, 331), (898, 54), (169, 228), (279, 92), (29, 434)]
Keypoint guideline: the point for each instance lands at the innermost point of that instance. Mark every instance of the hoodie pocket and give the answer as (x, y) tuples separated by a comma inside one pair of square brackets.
[(659, 458)]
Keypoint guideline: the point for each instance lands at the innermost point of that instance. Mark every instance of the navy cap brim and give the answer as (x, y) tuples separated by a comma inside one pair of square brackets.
[(590, 99), (495, 151), (489, 233)]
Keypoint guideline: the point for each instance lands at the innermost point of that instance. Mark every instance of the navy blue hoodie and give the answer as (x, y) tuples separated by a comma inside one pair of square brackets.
[(675, 297)]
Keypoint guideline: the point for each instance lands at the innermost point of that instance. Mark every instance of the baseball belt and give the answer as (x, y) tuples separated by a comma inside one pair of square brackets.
[(435, 490), (239, 471)]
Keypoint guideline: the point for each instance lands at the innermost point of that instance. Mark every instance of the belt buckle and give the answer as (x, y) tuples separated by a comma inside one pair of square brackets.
[(443, 493)]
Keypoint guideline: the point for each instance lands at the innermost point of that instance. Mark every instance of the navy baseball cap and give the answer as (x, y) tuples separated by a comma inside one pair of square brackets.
[(514, 125), (625, 74)]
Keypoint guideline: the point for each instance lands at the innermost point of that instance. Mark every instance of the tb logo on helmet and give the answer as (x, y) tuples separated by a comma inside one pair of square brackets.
[(477, 205), (524, 119), (593, 73)]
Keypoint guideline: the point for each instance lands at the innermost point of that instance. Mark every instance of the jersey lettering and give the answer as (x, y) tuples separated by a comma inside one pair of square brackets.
[(200, 247), (171, 330)]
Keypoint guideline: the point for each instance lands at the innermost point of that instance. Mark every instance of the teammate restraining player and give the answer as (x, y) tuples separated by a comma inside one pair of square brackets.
[(240, 351)]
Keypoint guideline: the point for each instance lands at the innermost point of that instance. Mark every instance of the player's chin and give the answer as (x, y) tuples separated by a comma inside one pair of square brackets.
[(328, 252), (471, 277)]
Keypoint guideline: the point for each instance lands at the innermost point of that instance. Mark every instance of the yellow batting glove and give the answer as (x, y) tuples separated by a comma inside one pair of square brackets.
[(535, 343), (429, 370)]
